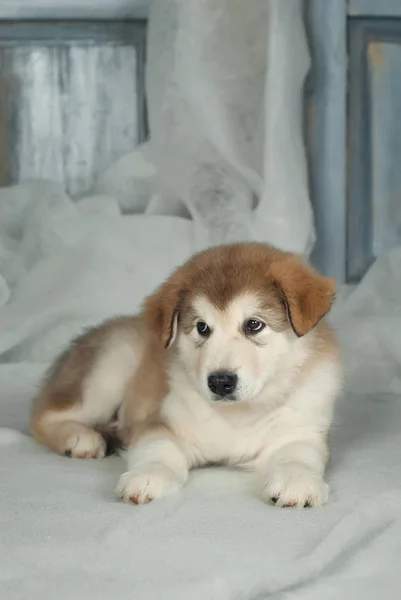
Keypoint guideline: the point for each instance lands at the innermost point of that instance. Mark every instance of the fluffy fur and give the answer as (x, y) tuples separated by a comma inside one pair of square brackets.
[(230, 362)]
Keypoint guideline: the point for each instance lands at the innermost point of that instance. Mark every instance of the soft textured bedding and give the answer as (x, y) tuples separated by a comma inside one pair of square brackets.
[(62, 533)]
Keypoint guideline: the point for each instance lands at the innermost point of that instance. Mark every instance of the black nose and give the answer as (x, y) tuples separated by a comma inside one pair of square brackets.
[(222, 383)]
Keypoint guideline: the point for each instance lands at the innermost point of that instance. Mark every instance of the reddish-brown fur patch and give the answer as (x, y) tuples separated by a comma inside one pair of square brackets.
[(144, 393)]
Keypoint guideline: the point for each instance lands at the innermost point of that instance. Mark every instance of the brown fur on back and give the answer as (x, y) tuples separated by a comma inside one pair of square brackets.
[(63, 384)]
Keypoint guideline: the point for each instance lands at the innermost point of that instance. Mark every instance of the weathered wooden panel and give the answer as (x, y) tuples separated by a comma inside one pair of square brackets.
[(384, 62), (359, 217), (71, 101), (374, 8), (74, 9), (374, 181)]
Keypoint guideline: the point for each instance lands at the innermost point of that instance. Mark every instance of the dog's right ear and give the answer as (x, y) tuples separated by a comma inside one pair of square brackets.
[(161, 310)]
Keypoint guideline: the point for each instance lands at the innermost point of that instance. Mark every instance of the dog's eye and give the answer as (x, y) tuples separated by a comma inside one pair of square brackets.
[(203, 329), (253, 326)]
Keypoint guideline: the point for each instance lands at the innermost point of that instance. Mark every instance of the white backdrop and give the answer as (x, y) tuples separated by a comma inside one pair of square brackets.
[(225, 90)]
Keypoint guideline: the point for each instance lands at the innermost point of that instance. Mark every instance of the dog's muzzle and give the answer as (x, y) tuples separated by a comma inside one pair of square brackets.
[(222, 383)]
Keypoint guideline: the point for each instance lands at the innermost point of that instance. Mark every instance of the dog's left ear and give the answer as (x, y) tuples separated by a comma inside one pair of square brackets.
[(306, 295), (161, 310)]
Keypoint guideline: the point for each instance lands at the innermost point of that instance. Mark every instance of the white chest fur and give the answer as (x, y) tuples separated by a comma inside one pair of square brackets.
[(239, 433), (229, 434)]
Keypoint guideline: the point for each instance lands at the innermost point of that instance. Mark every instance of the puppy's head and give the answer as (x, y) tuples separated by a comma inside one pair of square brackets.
[(233, 315)]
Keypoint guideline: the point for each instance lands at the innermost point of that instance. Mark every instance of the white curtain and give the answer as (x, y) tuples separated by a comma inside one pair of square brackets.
[(225, 94)]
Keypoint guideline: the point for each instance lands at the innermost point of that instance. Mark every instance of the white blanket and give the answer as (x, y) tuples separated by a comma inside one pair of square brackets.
[(63, 535)]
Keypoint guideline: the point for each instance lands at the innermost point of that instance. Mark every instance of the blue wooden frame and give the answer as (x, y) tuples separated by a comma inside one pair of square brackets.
[(362, 31), (326, 132), (74, 9), (50, 32), (131, 32), (359, 224), (374, 8)]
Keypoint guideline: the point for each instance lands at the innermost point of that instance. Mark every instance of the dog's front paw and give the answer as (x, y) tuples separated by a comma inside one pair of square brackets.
[(141, 487), (296, 486)]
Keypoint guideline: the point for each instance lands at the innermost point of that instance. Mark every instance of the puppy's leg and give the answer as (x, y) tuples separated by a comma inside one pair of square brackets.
[(293, 472), (68, 437), (293, 476), (156, 463), (157, 467), (83, 391)]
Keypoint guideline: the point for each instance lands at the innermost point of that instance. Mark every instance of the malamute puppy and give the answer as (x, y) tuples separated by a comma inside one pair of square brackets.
[(230, 362)]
